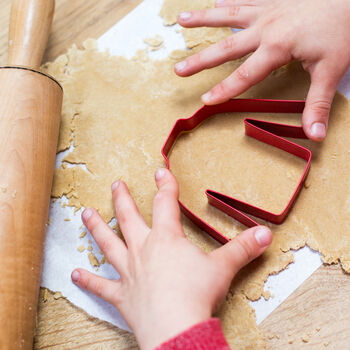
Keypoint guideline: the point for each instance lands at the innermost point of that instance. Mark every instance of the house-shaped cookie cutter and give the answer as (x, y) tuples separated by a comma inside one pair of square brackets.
[(271, 133)]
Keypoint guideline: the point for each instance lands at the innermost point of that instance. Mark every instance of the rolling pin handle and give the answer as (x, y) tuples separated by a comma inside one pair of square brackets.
[(30, 24)]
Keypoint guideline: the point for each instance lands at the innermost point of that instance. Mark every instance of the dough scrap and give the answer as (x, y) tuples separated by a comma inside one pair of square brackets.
[(154, 42), (121, 111), (93, 260)]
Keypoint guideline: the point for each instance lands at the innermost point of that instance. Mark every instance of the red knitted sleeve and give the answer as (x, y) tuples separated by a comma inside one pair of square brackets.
[(203, 336)]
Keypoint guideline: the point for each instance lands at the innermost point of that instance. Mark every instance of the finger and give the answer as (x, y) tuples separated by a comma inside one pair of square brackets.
[(112, 246), (256, 68), (228, 3), (244, 248), (233, 16), (232, 47), (319, 102), (100, 286), (166, 210), (131, 222)]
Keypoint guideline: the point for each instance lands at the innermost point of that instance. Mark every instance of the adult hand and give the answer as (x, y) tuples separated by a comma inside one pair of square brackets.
[(315, 32)]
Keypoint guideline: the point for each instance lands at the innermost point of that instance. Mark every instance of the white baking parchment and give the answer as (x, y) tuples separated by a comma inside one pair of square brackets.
[(61, 254)]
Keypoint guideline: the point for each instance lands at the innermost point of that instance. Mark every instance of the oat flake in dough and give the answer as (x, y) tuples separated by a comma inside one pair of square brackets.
[(121, 111)]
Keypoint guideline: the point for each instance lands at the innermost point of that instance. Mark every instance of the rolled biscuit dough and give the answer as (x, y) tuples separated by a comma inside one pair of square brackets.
[(171, 8), (193, 36), (118, 112), (199, 36)]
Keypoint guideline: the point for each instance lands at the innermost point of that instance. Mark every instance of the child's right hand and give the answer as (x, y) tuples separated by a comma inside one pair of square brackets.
[(166, 284), (315, 32)]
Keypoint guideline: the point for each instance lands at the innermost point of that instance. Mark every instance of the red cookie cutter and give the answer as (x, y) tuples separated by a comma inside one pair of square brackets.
[(267, 132)]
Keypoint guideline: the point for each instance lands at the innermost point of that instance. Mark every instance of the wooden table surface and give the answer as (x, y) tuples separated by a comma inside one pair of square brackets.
[(315, 316)]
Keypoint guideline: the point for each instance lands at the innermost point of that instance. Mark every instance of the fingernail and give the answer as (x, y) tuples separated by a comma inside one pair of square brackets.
[(75, 276), (180, 66), (160, 174), (185, 16), (318, 130), (87, 213), (115, 186), (263, 236), (206, 97)]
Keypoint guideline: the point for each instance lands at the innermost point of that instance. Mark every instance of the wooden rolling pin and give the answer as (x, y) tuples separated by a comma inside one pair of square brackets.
[(30, 109)]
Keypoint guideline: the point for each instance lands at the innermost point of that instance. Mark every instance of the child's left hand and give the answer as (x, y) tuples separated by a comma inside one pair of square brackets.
[(166, 284), (315, 32)]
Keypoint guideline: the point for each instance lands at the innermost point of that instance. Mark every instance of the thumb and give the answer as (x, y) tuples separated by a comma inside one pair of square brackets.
[(244, 248), (319, 102)]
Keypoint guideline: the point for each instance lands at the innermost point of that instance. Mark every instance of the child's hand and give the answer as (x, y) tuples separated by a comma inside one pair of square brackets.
[(315, 32), (166, 284)]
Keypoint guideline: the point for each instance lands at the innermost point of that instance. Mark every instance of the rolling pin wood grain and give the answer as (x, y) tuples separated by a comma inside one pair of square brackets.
[(30, 109), (30, 25)]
